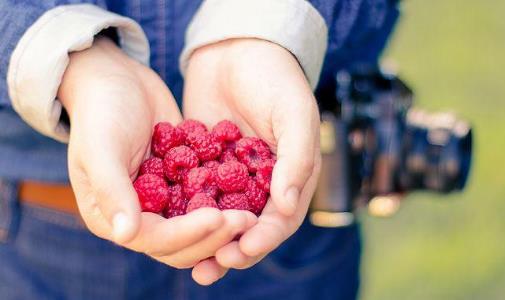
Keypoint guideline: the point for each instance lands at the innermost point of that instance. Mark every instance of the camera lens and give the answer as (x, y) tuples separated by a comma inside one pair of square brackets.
[(436, 151)]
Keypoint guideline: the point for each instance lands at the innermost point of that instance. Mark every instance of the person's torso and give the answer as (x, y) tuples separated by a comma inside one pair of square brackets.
[(358, 31)]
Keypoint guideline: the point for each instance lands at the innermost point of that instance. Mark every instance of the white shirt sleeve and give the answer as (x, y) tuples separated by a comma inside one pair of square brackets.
[(293, 24), (40, 58)]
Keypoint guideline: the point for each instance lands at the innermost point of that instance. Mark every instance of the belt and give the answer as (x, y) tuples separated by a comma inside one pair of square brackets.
[(52, 196)]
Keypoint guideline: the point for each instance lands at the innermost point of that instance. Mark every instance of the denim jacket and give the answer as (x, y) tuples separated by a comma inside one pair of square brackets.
[(357, 32)]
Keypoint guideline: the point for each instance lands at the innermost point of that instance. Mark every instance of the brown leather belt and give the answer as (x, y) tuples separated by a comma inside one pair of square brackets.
[(52, 196)]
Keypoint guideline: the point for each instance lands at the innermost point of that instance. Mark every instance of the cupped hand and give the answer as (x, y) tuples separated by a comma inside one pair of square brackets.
[(261, 87), (113, 102)]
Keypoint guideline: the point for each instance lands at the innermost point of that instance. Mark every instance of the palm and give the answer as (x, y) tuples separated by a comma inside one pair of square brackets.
[(111, 130), (212, 110), (266, 94), (113, 103)]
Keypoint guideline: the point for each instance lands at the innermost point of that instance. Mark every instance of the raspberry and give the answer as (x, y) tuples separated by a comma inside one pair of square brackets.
[(200, 200), (152, 191), (251, 151), (200, 180), (233, 201), (170, 213), (227, 133), (176, 202), (192, 127), (256, 197), (232, 176), (264, 174), (152, 165), (165, 137), (178, 161), (212, 165), (228, 154), (173, 175), (205, 145)]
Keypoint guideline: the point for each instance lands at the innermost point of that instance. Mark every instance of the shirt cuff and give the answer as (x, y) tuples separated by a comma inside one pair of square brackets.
[(293, 24), (41, 57)]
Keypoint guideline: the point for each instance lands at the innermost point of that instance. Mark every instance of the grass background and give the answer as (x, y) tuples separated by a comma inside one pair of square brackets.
[(452, 52)]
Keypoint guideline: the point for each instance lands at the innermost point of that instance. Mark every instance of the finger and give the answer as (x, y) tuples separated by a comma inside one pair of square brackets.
[(111, 185), (86, 201), (296, 146), (271, 230), (235, 222), (208, 271), (161, 237), (273, 227), (230, 256)]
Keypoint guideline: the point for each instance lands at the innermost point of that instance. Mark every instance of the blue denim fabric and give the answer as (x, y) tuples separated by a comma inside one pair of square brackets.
[(358, 30), (50, 255)]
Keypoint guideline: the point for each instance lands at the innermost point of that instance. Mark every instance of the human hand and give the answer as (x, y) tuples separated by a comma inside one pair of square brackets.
[(261, 87), (113, 103)]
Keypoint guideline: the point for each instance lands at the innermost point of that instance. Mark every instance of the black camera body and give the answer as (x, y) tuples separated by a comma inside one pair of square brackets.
[(376, 146)]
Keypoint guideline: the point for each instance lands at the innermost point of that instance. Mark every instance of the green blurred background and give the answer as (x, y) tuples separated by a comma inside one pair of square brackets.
[(452, 52)]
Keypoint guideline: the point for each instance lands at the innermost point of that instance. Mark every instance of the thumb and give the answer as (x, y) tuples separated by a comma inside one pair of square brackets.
[(115, 197), (296, 145)]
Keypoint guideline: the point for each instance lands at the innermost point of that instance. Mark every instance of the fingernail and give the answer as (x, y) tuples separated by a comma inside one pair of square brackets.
[(119, 226), (291, 197)]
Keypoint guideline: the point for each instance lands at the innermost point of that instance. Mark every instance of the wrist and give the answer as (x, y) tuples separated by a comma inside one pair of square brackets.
[(232, 57), (89, 67), (232, 50)]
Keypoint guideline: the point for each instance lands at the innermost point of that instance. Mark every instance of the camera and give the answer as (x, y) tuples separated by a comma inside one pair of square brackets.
[(376, 147)]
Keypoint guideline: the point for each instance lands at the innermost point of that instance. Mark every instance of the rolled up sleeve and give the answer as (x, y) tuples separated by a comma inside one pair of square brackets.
[(39, 59), (15, 18), (293, 24)]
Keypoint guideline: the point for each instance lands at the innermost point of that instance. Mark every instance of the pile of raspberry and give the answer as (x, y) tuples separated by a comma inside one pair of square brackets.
[(192, 167)]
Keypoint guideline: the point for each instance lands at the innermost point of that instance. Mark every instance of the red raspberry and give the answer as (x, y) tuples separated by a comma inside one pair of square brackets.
[(169, 213), (256, 197), (205, 145), (176, 202), (165, 137), (152, 165), (200, 180), (227, 133), (233, 201), (212, 165), (251, 151), (152, 191), (200, 200), (232, 176), (228, 154), (264, 174), (192, 127), (178, 161)]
